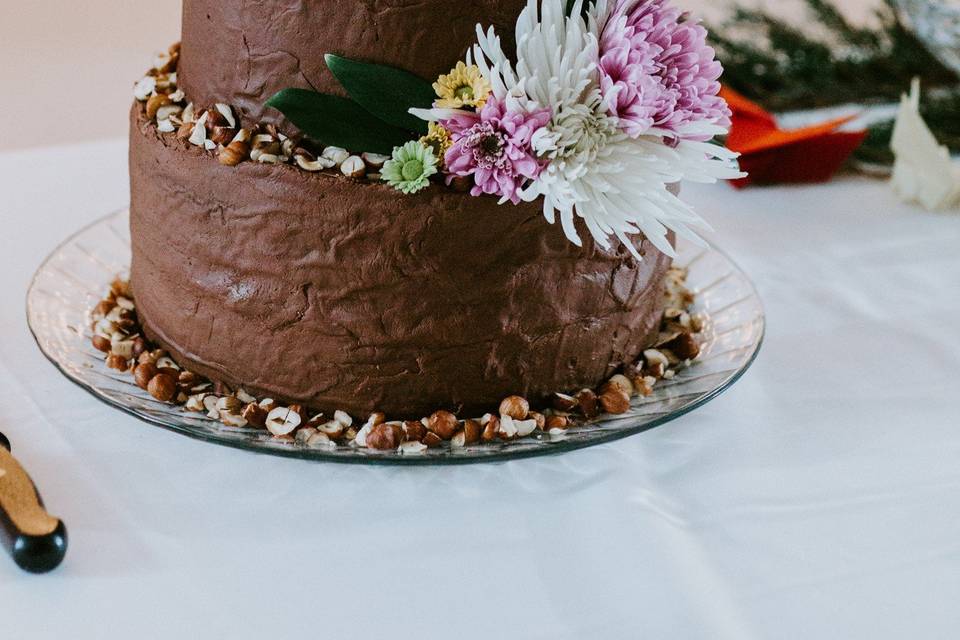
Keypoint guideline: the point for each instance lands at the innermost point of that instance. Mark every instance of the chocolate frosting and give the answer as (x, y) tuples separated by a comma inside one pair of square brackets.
[(337, 294), (241, 52)]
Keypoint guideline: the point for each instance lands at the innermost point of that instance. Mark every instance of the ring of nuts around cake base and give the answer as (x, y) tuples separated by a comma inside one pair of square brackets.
[(117, 334)]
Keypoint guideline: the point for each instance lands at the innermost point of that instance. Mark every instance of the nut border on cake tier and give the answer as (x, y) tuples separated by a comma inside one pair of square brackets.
[(117, 333), (316, 289)]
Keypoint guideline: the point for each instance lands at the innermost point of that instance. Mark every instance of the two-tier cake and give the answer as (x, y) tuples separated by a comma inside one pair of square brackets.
[(402, 207)]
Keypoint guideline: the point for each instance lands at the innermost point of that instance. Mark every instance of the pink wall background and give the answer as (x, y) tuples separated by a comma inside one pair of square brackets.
[(66, 68)]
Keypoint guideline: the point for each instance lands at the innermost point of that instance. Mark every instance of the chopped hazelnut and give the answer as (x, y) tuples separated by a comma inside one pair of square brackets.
[(563, 402), (515, 407), (645, 385), (385, 436), (222, 135), (614, 400), (353, 167), (303, 434), (443, 423), (374, 161), (120, 288), (685, 346), (195, 403), (255, 415), (412, 448), (139, 346), (524, 427), (117, 362), (282, 421), (432, 440), (320, 439), (557, 422), (312, 164), (173, 373), (185, 130), (162, 387), (508, 428), (539, 418), (654, 356), (332, 428), (102, 309), (656, 369), (491, 427), (144, 373), (227, 114), (237, 150), (414, 430), (187, 380), (154, 103), (587, 403), (101, 343), (621, 382), (210, 403), (471, 432), (336, 154), (233, 420)]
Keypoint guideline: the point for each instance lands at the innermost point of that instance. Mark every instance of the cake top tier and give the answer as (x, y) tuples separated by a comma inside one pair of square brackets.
[(241, 52)]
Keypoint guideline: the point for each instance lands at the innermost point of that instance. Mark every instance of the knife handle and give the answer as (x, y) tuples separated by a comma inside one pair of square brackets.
[(37, 541)]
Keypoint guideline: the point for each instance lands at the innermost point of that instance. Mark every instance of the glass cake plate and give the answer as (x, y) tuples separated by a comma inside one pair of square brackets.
[(76, 275)]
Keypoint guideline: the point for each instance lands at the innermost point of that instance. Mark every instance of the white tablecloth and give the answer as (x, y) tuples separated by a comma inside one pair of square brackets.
[(818, 498)]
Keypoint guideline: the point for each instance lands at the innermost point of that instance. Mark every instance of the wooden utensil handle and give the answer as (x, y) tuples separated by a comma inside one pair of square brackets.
[(37, 540)]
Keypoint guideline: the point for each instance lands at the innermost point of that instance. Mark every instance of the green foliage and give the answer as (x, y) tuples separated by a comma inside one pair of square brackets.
[(794, 70), (337, 121), (785, 68), (376, 116), (386, 92)]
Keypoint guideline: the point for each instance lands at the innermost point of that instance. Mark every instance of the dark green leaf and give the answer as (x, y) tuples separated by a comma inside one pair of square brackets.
[(337, 121), (386, 92)]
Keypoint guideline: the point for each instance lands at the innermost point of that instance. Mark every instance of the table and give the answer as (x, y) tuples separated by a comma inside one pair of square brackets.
[(818, 498)]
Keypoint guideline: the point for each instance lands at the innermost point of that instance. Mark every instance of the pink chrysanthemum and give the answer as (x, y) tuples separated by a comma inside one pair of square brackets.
[(656, 70), (494, 147)]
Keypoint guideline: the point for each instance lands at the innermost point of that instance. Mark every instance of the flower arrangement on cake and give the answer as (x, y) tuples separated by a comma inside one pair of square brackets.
[(604, 106)]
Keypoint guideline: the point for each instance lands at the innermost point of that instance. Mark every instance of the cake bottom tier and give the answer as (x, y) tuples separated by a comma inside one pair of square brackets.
[(319, 290)]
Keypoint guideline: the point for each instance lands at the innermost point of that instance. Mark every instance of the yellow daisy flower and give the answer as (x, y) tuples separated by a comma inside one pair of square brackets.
[(464, 86), (438, 139)]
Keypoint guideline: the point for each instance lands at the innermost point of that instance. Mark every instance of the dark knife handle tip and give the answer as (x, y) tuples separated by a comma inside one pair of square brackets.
[(41, 554), (4, 442)]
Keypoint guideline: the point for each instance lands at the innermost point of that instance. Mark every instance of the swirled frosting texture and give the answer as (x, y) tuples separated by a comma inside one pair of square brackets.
[(241, 52), (316, 289)]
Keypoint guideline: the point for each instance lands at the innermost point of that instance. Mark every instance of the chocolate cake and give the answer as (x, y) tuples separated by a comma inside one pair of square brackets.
[(330, 288)]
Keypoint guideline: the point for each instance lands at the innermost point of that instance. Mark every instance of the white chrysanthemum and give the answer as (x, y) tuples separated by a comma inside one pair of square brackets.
[(616, 184)]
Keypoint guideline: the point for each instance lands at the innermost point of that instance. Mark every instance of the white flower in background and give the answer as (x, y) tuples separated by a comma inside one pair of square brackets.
[(923, 170)]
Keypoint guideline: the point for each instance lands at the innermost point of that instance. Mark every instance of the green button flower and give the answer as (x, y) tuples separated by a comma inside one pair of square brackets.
[(410, 168)]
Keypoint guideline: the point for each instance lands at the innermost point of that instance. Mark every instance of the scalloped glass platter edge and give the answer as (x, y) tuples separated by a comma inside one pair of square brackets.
[(75, 276)]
